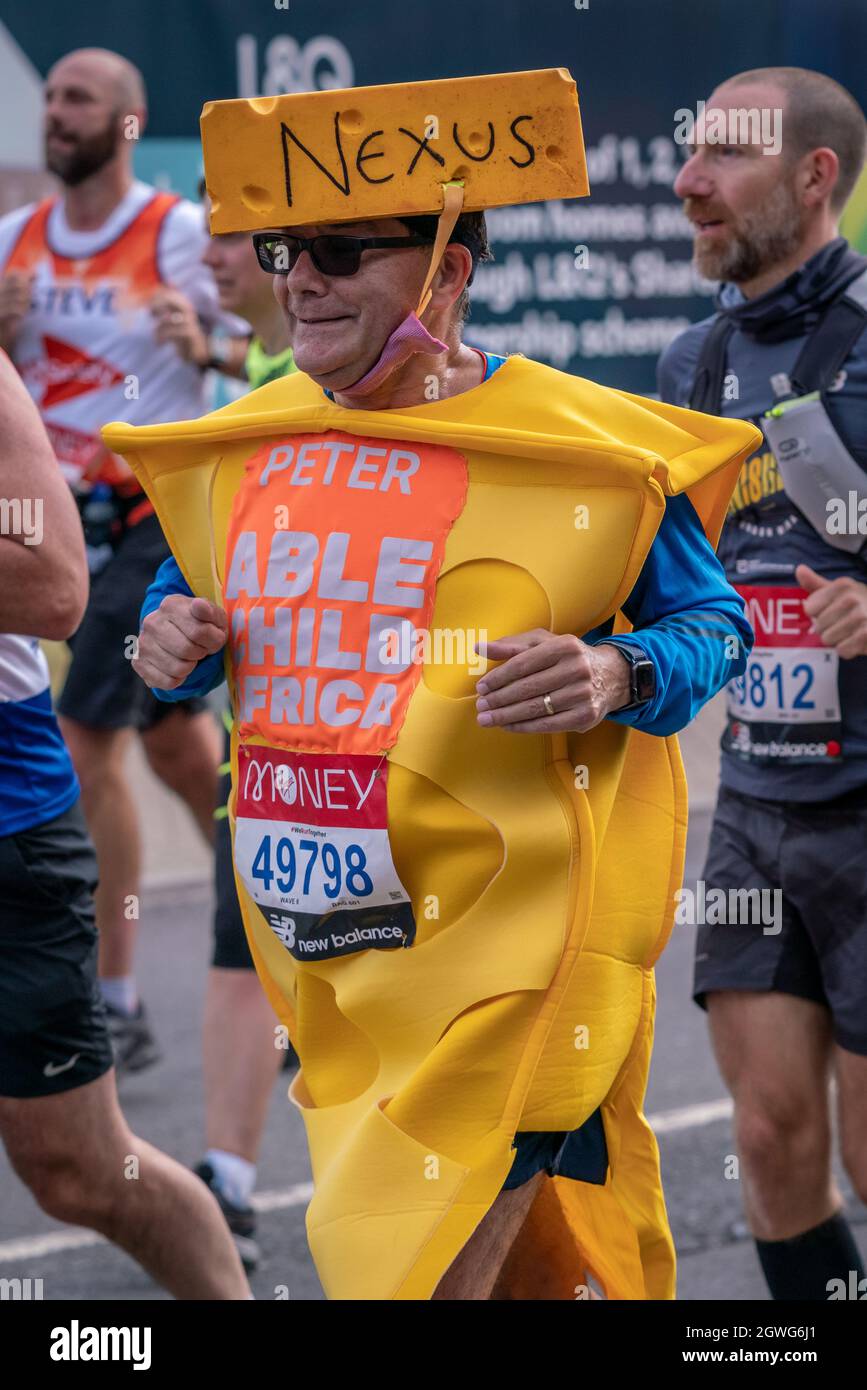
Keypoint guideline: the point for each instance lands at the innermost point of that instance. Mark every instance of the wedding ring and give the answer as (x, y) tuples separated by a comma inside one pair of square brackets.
[(546, 701)]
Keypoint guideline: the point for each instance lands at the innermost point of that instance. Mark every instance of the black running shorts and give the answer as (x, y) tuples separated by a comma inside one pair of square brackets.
[(814, 857), (53, 1033), (580, 1154), (102, 690)]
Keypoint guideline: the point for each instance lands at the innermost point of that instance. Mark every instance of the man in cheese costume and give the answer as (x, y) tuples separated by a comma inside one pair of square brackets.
[(454, 888)]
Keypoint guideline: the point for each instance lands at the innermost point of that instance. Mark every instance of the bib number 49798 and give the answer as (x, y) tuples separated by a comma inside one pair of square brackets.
[(281, 863)]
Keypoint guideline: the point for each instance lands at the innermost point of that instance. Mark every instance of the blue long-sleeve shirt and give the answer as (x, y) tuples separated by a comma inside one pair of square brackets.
[(686, 617)]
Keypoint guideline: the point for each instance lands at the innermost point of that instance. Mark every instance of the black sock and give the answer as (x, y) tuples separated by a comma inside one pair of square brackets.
[(803, 1266)]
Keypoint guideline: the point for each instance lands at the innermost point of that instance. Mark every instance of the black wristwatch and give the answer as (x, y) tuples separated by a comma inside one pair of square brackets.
[(642, 676), (219, 351)]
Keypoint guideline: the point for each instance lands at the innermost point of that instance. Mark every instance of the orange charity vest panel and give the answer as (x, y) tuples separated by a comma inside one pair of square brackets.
[(330, 595), (86, 351)]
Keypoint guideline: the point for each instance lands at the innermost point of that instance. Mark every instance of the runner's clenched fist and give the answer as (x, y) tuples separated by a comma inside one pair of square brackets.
[(178, 323), (176, 637), (838, 608)]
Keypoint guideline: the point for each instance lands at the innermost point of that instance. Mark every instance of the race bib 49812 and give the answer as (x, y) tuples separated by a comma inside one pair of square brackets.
[(786, 705)]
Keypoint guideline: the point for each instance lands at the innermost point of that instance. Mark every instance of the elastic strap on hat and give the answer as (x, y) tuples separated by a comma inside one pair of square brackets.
[(453, 202)]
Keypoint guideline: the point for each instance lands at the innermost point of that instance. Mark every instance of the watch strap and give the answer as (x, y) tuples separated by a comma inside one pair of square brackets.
[(640, 669)]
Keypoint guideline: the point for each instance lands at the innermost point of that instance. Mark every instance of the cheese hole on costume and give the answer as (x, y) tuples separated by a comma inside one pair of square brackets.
[(269, 634)]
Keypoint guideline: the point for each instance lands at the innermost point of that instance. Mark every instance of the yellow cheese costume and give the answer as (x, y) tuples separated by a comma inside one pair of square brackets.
[(457, 925)]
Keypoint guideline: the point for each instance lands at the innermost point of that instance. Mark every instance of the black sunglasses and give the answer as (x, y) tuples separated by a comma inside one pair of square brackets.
[(331, 254)]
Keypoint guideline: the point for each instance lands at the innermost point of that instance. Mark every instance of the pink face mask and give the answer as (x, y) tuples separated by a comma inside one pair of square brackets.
[(411, 336)]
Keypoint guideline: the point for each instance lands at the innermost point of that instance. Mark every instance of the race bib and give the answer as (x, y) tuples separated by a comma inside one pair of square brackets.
[(312, 848), (786, 705)]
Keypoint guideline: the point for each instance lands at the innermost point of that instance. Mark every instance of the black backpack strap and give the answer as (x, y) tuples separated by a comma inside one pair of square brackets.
[(832, 340), (711, 369)]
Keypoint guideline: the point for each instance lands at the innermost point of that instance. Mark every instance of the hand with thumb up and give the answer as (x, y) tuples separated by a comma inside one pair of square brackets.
[(838, 608)]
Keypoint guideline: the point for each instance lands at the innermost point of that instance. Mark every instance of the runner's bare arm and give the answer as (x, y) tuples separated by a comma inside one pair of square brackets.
[(175, 637), (43, 568)]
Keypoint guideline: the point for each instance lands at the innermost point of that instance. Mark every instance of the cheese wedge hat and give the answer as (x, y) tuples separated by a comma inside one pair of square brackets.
[(419, 148), (456, 925), (371, 152)]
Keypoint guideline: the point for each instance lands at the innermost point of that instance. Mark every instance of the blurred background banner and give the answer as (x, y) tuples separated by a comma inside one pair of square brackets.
[(597, 287)]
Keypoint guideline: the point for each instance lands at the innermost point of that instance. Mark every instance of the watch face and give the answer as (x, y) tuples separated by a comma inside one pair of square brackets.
[(644, 680)]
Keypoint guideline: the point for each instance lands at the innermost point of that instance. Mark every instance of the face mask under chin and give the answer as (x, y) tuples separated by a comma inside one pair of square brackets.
[(403, 342)]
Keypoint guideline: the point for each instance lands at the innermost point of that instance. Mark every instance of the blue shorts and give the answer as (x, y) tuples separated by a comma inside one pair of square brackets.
[(580, 1154)]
